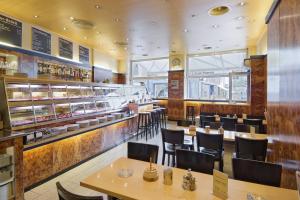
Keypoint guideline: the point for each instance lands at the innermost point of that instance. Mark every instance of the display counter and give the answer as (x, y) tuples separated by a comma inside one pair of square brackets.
[(66, 123)]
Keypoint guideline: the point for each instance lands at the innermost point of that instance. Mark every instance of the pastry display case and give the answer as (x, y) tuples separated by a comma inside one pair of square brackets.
[(30, 103)]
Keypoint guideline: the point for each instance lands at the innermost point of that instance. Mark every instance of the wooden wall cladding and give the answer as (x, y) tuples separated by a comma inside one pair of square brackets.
[(258, 66), (175, 109), (118, 78), (283, 104), (45, 161), (17, 143), (176, 84)]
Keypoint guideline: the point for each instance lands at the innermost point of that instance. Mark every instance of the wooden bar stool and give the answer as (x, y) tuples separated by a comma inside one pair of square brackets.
[(144, 124)]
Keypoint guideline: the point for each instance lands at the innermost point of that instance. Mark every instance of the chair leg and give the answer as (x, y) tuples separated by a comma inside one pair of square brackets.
[(163, 159), (168, 159), (221, 163)]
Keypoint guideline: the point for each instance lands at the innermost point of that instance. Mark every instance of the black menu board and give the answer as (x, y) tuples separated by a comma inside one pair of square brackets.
[(41, 41), (65, 48), (10, 31), (84, 54)]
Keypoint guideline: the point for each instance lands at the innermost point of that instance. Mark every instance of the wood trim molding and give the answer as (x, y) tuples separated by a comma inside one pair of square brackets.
[(272, 10)]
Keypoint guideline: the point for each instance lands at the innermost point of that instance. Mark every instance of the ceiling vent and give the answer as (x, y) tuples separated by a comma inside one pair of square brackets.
[(83, 24), (122, 44)]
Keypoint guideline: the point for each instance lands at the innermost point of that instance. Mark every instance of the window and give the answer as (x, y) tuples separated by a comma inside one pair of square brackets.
[(153, 74), (218, 77)]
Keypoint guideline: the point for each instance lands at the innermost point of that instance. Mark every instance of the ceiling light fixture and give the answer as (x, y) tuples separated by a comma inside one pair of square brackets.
[(116, 20), (85, 37), (97, 6), (71, 18), (219, 10), (216, 26), (98, 33), (65, 28), (241, 4), (240, 18), (36, 16), (186, 30)]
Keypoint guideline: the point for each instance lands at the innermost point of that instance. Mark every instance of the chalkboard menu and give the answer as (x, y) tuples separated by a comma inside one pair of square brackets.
[(41, 41), (65, 48), (84, 54), (10, 31)]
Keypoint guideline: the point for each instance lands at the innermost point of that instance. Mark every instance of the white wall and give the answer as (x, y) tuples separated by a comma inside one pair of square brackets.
[(105, 61), (262, 43)]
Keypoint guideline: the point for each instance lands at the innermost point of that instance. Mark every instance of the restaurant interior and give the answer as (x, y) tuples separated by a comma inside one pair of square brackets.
[(149, 99)]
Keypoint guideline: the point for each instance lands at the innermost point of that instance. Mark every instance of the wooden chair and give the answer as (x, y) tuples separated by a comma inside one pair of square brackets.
[(251, 148), (196, 161), (257, 171), (143, 152), (171, 140), (63, 194), (211, 144)]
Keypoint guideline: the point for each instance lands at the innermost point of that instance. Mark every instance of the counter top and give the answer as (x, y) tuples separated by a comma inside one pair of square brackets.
[(72, 133), (147, 103), (8, 135)]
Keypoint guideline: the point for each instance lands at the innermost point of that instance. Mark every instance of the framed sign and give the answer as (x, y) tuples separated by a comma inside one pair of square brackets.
[(175, 84), (65, 48), (84, 54), (10, 31), (41, 41)]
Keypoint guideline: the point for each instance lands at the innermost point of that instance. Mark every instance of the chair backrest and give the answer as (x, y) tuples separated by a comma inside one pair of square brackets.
[(207, 113), (175, 137), (245, 128), (255, 117), (256, 122), (185, 123), (215, 125), (229, 123), (63, 194), (204, 118), (251, 149), (143, 152), (210, 141), (257, 171), (196, 161)]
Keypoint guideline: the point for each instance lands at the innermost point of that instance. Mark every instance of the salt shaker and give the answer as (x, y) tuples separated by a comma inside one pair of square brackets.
[(168, 176), (221, 130)]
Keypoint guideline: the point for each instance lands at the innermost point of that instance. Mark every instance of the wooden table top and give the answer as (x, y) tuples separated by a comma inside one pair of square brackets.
[(229, 136), (107, 181)]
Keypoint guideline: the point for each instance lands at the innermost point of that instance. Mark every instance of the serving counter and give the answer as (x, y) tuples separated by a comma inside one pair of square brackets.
[(66, 123)]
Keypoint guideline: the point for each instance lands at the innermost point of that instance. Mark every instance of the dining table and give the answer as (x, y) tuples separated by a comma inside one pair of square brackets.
[(109, 180)]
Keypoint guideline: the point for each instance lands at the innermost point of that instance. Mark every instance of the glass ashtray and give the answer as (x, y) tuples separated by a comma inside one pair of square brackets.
[(251, 196), (125, 173)]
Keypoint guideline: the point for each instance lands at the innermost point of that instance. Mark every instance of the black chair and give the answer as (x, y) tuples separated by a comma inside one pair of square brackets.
[(185, 123), (250, 148), (190, 113), (171, 140), (204, 119), (257, 171), (245, 128), (63, 194), (196, 161), (215, 125), (256, 117), (229, 123), (207, 113), (211, 144), (254, 122), (143, 152)]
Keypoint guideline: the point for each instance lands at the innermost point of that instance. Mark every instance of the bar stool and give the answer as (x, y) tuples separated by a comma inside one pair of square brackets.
[(163, 117), (154, 121), (190, 113), (144, 124)]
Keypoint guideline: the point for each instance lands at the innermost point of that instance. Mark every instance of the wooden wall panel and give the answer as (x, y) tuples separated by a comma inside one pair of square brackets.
[(45, 161), (258, 66), (175, 109), (176, 92), (118, 78), (283, 89)]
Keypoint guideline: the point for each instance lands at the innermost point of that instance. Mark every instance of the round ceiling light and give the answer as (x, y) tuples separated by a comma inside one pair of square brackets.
[(219, 10)]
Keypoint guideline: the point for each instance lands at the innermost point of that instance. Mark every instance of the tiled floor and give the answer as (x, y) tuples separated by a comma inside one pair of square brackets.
[(71, 179)]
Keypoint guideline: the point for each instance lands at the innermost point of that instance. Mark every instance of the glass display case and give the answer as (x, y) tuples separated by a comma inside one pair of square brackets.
[(36, 102)]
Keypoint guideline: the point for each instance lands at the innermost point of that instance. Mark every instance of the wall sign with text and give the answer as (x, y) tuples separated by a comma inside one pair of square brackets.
[(41, 41), (10, 31), (65, 48), (84, 54)]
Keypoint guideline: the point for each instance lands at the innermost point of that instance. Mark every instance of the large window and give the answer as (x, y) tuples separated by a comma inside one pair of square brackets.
[(218, 77), (153, 74)]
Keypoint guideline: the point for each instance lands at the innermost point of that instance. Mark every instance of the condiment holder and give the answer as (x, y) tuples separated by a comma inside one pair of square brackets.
[(221, 130), (207, 129), (150, 173), (168, 176), (192, 128), (189, 182)]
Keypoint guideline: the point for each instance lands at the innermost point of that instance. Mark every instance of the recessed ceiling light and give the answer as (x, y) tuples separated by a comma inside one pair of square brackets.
[(71, 18), (116, 20), (240, 18), (125, 48), (65, 28), (186, 30), (127, 39), (216, 26), (97, 6), (219, 10), (207, 48), (98, 33), (220, 40), (239, 27), (145, 55), (241, 4), (85, 37), (36, 16), (194, 15)]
